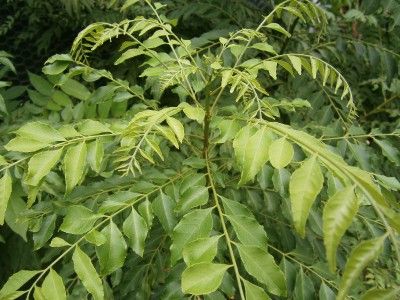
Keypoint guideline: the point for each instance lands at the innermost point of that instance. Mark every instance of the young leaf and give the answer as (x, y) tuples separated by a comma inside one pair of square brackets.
[(202, 250), (194, 112), (53, 286), (79, 220), (135, 228), (337, 217), (87, 274), (251, 151), (163, 208), (194, 225), (74, 165), (41, 164), (16, 281), (305, 184), (360, 257), (254, 292), (279, 28), (112, 253), (5, 193), (193, 197), (280, 153), (261, 265), (203, 278), (59, 242)]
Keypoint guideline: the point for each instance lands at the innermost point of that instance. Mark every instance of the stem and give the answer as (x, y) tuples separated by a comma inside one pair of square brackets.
[(227, 238)]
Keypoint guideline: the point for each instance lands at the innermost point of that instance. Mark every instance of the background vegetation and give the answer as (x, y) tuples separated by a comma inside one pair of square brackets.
[(208, 149)]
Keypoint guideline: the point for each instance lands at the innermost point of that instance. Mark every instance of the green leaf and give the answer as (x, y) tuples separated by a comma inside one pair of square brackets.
[(128, 54), (91, 127), (16, 281), (40, 132), (176, 127), (337, 217), (75, 89), (296, 63), (87, 274), (381, 294), (229, 129), (248, 231), (254, 292), (19, 144), (280, 153), (304, 288), (392, 153), (53, 286), (112, 253), (234, 208), (203, 278), (95, 155), (325, 292), (270, 66), (305, 184), (135, 228), (96, 238), (41, 164), (40, 84), (194, 112), (264, 47), (55, 68), (79, 220), (279, 28), (59, 242), (391, 183), (202, 250), (360, 257), (194, 196), (261, 265), (5, 193), (251, 151), (41, 237), (194, 225), (163, 208), (74, 165)]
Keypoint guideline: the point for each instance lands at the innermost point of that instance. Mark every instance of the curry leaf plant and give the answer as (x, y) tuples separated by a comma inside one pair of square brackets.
[(172, 174)]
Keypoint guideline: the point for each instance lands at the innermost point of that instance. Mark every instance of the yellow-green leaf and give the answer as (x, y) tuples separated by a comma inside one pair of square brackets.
[(53, 286), (337, 217), (41, 164), (280, 153), (202, 250), (203, 278), (74, 165), (304, 186), (360, 257), (5, 193)]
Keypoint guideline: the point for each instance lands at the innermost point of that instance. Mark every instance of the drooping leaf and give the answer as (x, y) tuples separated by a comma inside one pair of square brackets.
[(203, 278), (58, 242), (95, 155), (261, 265), (381, 294), (135, 228), (359, 258), (40, 132), (176, 127), (194, 225), (45, 232), (338, 215), (53, 286), (202, 250), (74, 165), (305, 184), (5, 193), (326, 293), (112, 253), (87, 274)]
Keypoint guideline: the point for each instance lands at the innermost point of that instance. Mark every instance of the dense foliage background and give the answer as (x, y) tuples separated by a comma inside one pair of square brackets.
[(207, 149)]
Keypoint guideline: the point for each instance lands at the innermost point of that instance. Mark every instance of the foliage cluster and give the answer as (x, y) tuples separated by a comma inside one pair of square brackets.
[(207, 150)]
